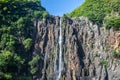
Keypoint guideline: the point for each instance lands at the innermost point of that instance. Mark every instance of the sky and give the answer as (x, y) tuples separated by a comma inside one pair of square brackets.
[(60, 7)]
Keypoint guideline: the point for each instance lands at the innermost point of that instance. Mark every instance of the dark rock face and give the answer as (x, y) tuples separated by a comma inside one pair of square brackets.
[(86, 52)]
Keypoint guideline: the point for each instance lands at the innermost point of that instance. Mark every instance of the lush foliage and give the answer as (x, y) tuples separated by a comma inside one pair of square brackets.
[(9, 63), (112, 21), (104, 62), (96, 10), (16, 28), (27, 43), (33, 64), (116, 53)]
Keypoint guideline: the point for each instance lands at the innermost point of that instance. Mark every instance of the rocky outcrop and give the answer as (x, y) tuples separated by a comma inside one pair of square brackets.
[(86, 53)]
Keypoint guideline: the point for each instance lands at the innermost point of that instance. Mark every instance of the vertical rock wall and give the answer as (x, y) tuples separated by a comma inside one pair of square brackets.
[(87, 50)]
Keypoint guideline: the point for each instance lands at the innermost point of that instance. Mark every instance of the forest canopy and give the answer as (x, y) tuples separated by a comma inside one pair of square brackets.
[(16, 27)]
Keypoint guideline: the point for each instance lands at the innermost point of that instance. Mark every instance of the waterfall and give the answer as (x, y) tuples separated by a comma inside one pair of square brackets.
[(60, 63), (60, 50)]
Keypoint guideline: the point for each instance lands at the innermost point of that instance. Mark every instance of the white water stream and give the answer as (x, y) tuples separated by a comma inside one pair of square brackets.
[(60, 63), (60, 50)]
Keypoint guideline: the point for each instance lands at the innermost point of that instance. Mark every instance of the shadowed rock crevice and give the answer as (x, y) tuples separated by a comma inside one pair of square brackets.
[(81, 54)]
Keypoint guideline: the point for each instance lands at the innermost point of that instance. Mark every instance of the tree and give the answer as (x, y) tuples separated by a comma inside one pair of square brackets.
[(10, 63), (27, 43)]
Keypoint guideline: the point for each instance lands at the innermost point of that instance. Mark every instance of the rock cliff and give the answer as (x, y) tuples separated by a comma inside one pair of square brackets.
[(87, 52)]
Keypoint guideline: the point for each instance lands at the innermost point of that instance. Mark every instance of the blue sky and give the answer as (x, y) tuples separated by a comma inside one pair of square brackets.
[(60, 7)]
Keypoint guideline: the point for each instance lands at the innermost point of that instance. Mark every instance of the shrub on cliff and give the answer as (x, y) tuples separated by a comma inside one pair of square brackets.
[(112, 21), (104, 62), (33, 64), (116, 53)]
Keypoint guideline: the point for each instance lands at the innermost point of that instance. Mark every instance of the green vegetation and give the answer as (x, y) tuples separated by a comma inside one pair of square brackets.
[(16, 27), (9, 64), (27, 43), (91, 44), (96, 10), (64, 18), (112, 21), (116, 53), (24, 78), (33, 64), (104, 62)]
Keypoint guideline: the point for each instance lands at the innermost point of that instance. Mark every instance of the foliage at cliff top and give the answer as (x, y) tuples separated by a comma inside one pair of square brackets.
[(96, 10), (112, 21), (16, 28)]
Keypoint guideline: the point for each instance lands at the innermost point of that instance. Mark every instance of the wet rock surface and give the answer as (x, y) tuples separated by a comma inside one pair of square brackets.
[(86, 53)]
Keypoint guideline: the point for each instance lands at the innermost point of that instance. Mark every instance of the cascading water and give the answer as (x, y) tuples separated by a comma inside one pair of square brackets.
[(60, 50), (60, 64)]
